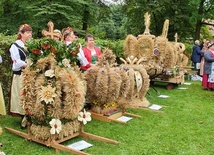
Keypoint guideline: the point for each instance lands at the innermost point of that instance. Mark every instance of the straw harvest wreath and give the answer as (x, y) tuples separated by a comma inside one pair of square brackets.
[(109, 86), (53, 92)]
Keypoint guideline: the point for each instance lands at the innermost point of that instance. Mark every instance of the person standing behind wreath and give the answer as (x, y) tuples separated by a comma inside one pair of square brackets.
[(204, 49), (18, 56), (91, 52), (208, 76), (196, 56), (68, 37)]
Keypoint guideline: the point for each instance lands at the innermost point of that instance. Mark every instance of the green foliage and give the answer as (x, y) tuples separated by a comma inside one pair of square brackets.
[(40, 48), (206, 33), (182, 15), (176, 11), (6, 65)]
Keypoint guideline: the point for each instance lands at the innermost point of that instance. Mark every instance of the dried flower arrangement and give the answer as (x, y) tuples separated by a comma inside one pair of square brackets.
[(110, 88), (53, 92), (103, 83), (41, 48)]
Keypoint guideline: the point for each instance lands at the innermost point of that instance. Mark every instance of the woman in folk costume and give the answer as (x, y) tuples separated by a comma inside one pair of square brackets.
[(18, 56), (204, 49), (2, 104), (68, 37), (91, 51), (208, 76)]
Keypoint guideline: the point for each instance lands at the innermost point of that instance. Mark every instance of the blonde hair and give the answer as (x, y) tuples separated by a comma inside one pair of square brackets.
[(197, 42), (65, 32)]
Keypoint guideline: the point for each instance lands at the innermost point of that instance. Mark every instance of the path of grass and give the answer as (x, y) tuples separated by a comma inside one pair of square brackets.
[(185, 128)]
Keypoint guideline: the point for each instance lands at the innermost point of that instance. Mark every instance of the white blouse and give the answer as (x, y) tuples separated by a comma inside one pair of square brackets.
[(14, 53)]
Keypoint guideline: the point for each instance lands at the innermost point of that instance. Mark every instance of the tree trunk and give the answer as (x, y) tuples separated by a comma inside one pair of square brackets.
[(199, 21), (198, 29), (85, 18)]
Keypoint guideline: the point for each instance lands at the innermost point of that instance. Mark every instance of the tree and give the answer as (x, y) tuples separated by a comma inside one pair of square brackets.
[(78, 14), (182, 16), (177, 12), (205, 11), (38, 13)]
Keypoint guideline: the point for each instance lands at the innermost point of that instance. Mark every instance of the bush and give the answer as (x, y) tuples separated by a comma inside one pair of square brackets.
[(6, 65)]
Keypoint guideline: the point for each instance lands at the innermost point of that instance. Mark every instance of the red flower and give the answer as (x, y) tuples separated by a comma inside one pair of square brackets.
[(24, 93), (46, 46), (36, 51), (53, 50)]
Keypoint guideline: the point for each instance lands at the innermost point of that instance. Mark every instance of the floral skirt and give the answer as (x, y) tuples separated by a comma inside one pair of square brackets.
[(205, 82)]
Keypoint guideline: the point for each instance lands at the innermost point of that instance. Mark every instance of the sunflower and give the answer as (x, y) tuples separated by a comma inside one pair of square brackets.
[(47, 94)]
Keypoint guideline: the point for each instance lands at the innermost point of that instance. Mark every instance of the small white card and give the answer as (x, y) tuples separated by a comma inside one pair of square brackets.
[(80, 145), (155, 107), (182, 88), (163, 96), (124, 118), (186, 83)]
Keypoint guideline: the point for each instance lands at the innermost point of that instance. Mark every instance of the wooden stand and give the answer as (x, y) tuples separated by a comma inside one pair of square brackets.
[(112, 117), (52, 142), (172, 81)]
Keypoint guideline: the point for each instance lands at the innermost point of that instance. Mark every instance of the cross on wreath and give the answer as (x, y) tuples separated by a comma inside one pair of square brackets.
[(176, 37), (50, 33)]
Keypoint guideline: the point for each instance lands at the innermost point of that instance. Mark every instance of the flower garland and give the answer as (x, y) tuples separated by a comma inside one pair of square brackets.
[(41, 48)]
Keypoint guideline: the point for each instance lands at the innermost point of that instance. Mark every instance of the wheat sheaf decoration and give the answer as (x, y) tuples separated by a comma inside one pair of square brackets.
[(53, 95), (103, 83)]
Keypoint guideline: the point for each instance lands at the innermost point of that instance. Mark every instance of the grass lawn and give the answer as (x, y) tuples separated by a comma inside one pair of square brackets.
[(184, 128)]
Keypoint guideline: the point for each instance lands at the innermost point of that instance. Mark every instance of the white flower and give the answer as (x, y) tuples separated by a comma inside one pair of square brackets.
[(47, 94), (66, 62), (49, 73), (84, 117), (2, 153), (56, 126)]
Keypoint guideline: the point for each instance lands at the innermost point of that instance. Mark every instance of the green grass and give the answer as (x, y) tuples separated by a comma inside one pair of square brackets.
[(184, 128)]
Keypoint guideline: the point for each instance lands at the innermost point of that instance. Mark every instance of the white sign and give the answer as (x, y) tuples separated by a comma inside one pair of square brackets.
[(155, 107), (124, 118), (80, 145), (186, 83), (163, 96), (182, 88)]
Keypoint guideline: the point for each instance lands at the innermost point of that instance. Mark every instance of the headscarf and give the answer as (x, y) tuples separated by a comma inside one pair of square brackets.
[(22, 29)]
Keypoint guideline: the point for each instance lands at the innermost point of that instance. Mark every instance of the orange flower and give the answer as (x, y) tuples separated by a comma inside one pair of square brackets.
[(74, 52), (36, 51), (53, 50), (46, 46)]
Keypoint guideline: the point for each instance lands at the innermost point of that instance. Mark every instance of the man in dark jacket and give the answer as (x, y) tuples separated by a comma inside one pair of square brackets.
[(196, 55)]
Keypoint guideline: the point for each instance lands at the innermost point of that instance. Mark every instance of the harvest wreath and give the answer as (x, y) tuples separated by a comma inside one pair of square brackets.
[(53, 96), (58, 93), (52, 90)]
